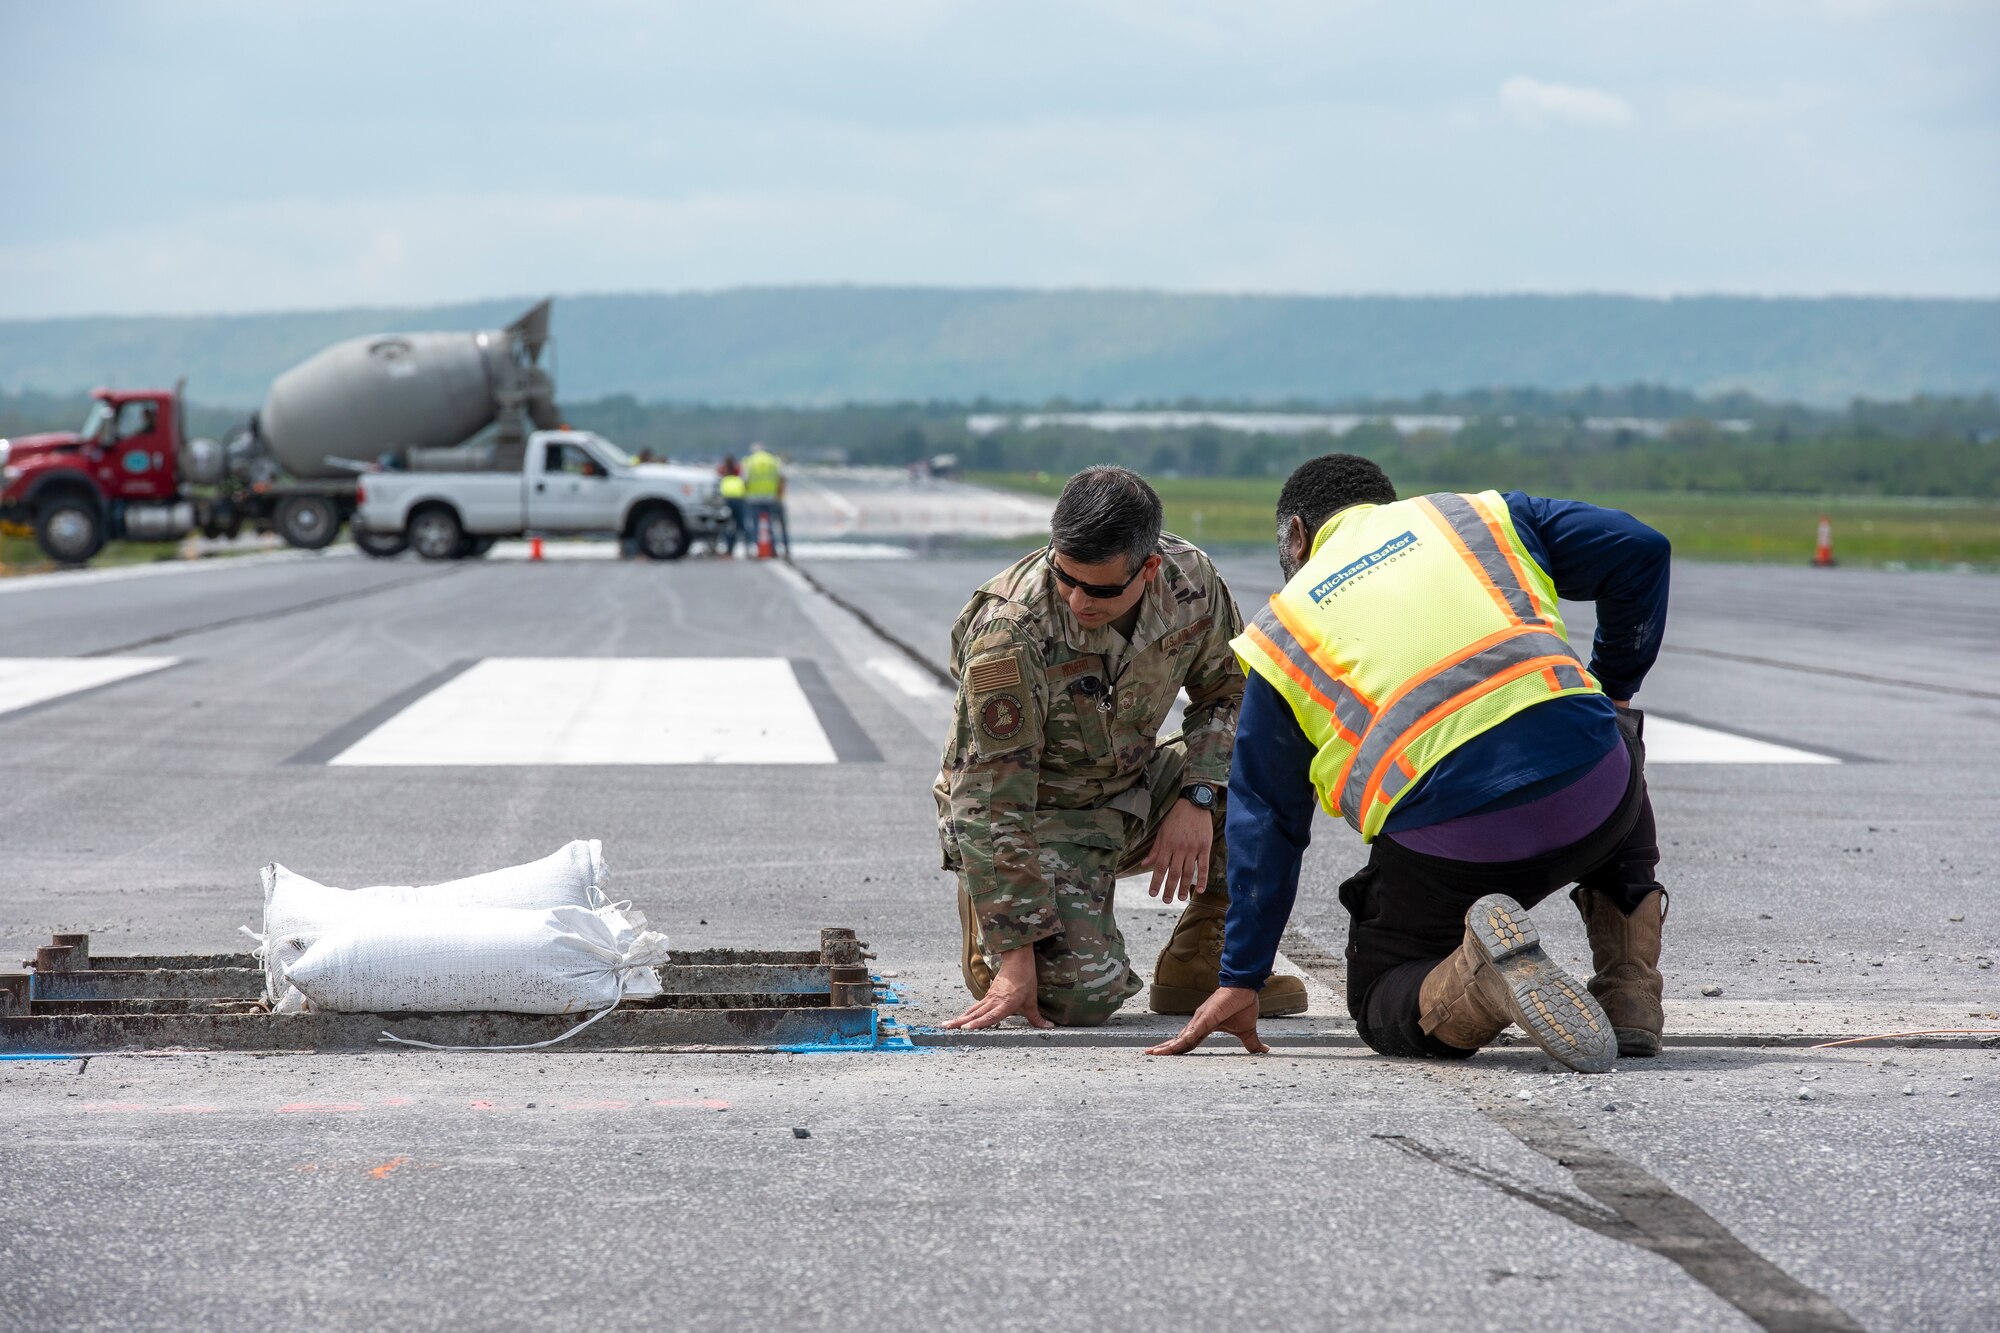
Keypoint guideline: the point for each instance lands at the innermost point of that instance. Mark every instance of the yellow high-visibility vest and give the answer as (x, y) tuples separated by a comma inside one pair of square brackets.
[(761, 475), (1414, 627), (732, 487)]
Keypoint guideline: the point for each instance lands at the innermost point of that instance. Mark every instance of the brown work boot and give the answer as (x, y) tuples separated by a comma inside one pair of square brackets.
[(972, 960), (1499, 975), (1625, 954), (1186, 971)]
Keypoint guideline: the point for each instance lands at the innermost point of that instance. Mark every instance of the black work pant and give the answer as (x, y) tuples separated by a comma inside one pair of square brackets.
[(1408, 909)]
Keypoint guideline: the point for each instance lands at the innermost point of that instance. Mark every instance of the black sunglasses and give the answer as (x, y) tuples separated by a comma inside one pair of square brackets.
[(1103, 592)]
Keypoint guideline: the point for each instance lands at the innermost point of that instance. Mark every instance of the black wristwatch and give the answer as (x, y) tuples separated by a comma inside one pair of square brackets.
[(1200, 795)]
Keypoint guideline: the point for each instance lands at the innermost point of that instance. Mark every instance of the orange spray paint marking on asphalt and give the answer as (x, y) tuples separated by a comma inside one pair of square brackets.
[(388, 1168)]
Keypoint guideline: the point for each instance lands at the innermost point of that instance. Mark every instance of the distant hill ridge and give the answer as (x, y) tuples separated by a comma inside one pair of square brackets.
[(820, 345)]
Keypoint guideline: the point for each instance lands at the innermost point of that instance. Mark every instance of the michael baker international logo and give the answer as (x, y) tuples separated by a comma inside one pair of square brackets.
[(1387, 551)]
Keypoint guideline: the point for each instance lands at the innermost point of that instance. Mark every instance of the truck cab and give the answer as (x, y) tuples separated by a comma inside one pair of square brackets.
[(115, 476), (570, 482)]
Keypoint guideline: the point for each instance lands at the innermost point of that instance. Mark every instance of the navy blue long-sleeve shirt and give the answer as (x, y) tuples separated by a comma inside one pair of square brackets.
[(1592, 554)]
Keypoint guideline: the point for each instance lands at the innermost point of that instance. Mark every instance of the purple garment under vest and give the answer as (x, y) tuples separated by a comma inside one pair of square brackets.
[(1541, 826)]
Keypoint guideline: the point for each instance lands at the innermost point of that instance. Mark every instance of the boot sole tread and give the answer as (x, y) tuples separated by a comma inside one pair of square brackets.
[(1546, 1002)]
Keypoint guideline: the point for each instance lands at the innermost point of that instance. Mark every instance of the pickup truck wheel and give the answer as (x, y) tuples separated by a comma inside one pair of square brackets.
[(381, 545), (662, 535), (435, 535), (309, 522), (69, 529)]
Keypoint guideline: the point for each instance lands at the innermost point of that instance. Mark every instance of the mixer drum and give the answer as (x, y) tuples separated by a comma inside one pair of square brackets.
[(388, 392)]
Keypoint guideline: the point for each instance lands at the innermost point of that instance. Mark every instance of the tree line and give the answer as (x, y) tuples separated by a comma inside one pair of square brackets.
[(1932, 446)]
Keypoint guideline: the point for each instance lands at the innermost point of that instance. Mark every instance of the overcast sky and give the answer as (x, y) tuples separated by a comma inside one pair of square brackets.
[(207, 155)]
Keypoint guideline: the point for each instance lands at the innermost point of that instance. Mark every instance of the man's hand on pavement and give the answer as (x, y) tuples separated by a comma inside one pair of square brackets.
[(1232, 1009), (1179, 859), (1012, 992)]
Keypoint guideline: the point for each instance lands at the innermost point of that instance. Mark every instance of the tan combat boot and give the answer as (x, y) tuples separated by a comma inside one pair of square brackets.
[(972, 960), (1499, 975), (1625, 954), (1185, 973)]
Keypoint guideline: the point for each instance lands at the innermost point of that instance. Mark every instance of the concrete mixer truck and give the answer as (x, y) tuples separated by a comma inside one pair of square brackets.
[(454, 402)]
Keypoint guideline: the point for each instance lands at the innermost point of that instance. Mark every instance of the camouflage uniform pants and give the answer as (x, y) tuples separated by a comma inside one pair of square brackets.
[(1083, 972)]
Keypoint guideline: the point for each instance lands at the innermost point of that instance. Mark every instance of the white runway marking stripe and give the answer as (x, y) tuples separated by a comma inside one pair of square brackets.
[(905, 677), (604, 710), (1671, 742), (26, 681)]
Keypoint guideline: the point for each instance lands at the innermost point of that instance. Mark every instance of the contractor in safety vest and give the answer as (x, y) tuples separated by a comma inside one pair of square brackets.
[(1412, 678), (764, 489), (734, 495)]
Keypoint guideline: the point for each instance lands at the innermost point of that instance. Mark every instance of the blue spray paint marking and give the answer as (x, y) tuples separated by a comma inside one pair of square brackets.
[(44, 1057), (877, 1038)]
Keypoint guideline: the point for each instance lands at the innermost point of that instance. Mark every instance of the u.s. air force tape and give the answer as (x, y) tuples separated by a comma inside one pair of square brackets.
[(995, 673)]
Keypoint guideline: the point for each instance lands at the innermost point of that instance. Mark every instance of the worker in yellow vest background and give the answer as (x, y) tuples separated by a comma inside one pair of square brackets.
[(1413, 679), (734, 494), (764, 490)]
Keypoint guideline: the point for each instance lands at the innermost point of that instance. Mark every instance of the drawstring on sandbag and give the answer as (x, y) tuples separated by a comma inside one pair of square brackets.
[(531, 1045)]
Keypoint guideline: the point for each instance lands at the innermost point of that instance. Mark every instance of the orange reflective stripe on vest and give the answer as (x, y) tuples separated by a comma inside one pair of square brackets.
[(1350, 711), (1412, 628), (1485, 667)]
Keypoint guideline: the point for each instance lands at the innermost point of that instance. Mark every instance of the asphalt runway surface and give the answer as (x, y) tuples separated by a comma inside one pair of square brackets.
[(1010, 1181)]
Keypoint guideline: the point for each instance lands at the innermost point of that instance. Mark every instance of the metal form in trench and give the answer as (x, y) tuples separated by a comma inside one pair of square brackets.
[(68, 1002)]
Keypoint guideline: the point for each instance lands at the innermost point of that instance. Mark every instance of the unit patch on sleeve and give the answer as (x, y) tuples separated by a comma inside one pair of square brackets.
[(995, 673), (1000, 717)]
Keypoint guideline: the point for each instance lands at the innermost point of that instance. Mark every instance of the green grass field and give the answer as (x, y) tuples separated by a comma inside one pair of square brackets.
[(20, 555), (1867, 530)]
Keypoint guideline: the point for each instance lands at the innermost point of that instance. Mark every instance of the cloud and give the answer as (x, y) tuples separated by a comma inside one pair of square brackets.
[(1532, 102)]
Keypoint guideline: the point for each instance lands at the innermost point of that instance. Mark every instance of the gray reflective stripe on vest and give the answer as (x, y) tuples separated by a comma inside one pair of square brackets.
[(1465, 520), (1347, 706), (1396, 721), (1394, 781), (1569, 677)]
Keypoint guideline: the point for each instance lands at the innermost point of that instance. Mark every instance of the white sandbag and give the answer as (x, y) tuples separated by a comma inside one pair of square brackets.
[(298, 910), (566, 960)]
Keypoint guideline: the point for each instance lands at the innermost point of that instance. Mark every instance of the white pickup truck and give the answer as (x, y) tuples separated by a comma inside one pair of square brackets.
[(571, 482)]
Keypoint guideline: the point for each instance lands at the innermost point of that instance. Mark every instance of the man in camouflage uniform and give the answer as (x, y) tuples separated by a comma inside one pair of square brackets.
[(1055, 782)]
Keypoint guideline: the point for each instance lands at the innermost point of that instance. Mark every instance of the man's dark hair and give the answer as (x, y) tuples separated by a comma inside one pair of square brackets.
[(1321, 487), (1106, 512)]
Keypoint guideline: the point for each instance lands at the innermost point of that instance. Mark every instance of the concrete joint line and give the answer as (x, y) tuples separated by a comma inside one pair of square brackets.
[(313, 605), (1624, 1202), (350, 732), (929, 668), (850, 743)]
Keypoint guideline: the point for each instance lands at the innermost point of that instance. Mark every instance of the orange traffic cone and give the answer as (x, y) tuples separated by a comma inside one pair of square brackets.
[(534, 548), (765, 549), (1823, 548)]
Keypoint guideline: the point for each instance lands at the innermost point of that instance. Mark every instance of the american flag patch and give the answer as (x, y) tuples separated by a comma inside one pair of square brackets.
[(997, 673)]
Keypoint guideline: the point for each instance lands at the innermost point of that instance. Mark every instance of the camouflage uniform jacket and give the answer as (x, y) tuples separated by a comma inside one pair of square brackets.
[(1055, 725)]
